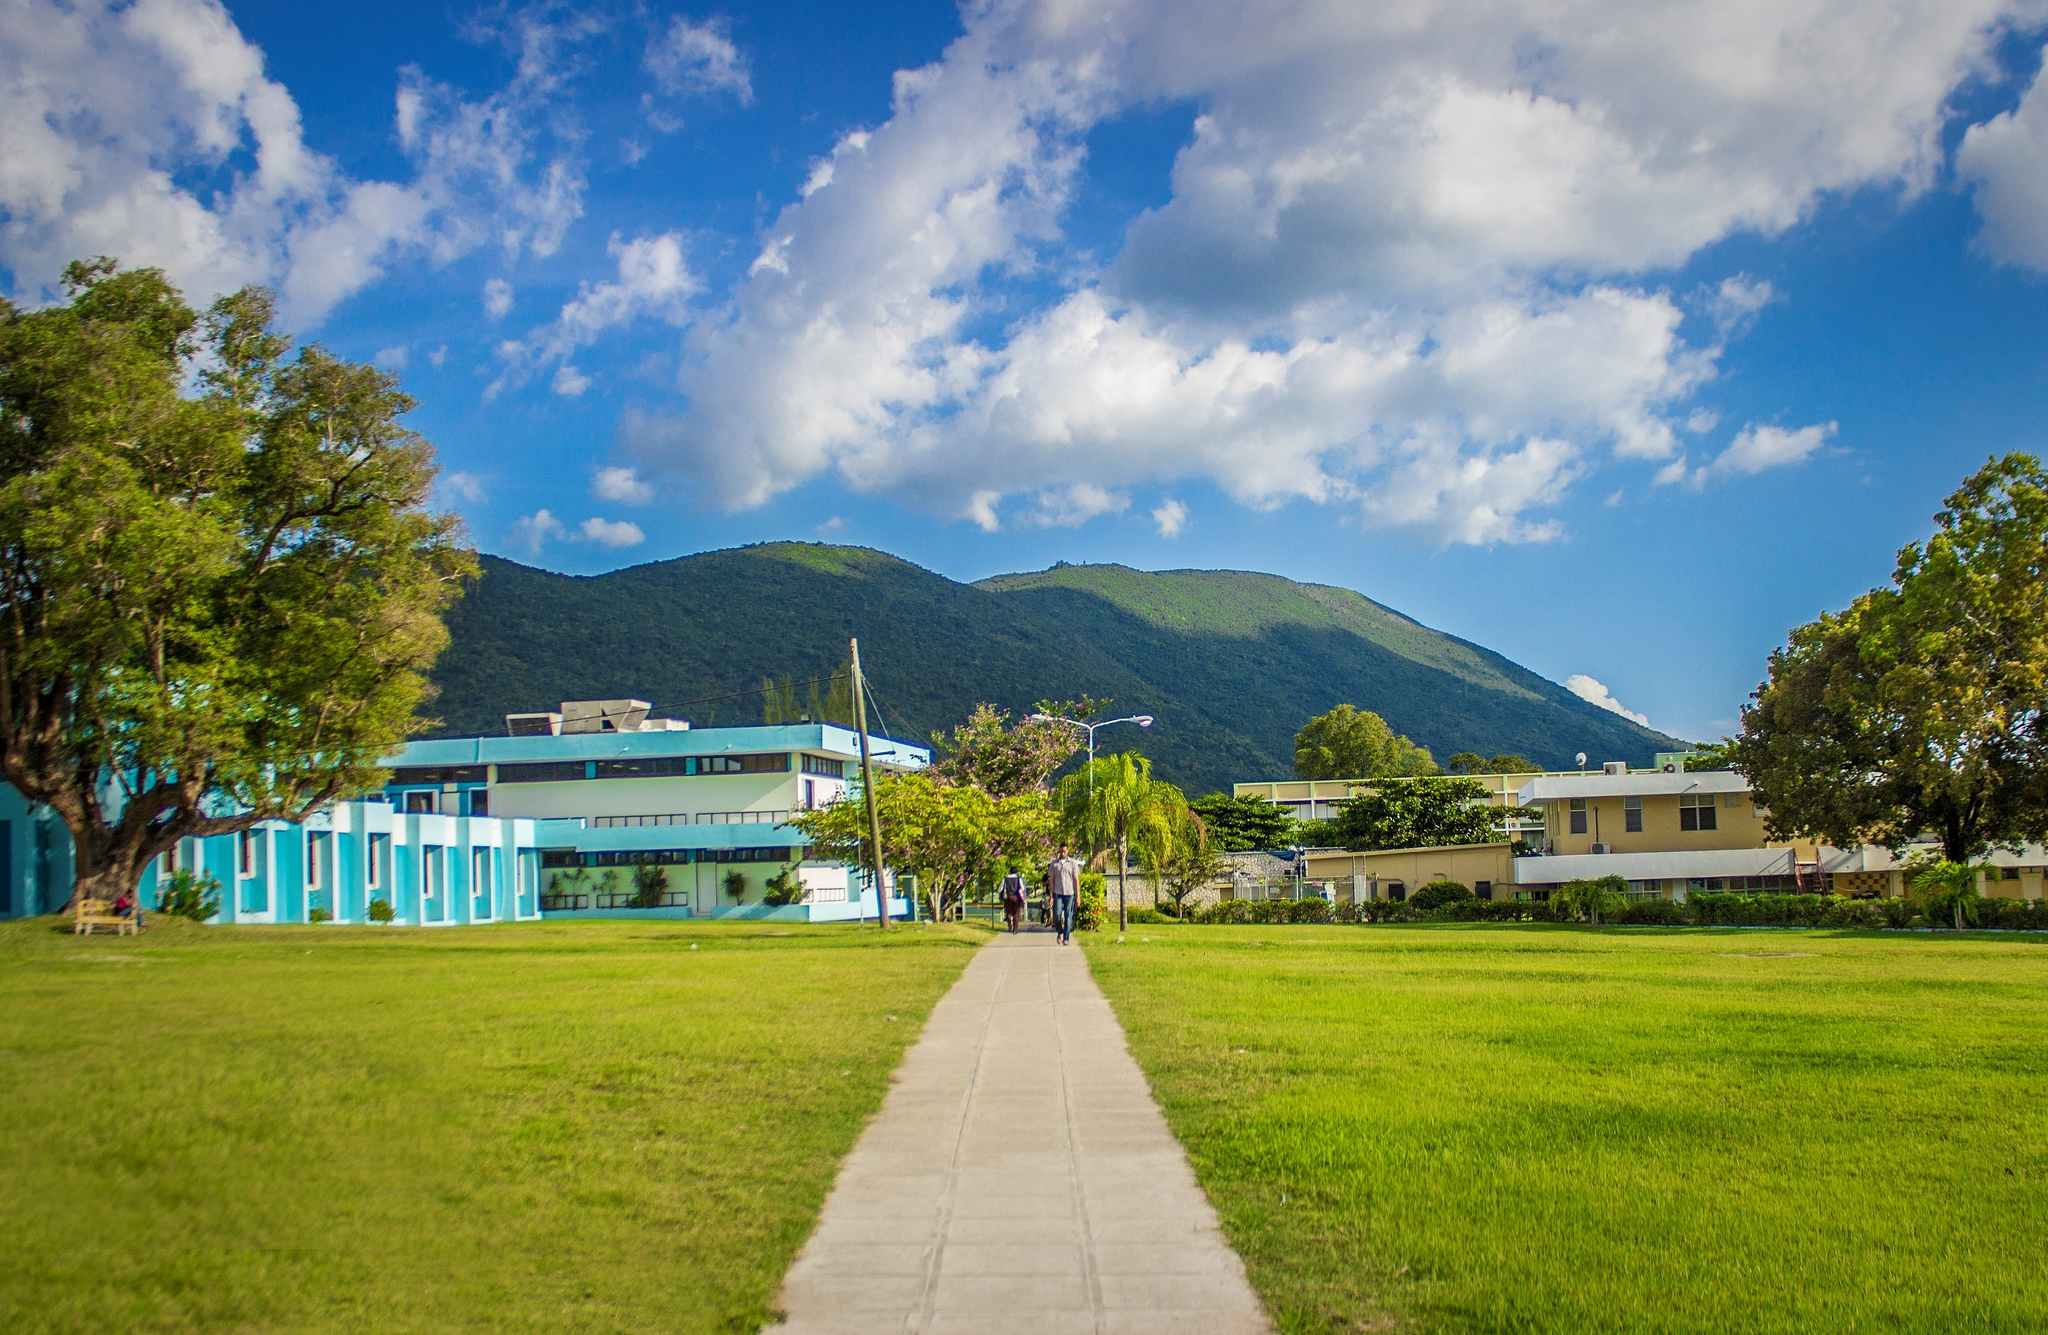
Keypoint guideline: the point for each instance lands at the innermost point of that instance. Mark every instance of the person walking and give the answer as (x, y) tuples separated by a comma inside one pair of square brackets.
[(1013, 900), (1063, 882)]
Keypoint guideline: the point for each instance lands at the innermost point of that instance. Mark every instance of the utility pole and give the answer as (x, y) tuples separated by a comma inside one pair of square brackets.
[(867, 788)]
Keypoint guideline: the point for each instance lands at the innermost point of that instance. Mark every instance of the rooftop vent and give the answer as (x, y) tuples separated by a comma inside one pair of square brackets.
[(587, 716), (1611, 767), (533, 725)]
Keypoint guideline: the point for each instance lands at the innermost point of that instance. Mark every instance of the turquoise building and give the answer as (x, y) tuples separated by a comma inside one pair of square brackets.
[(592, 811)]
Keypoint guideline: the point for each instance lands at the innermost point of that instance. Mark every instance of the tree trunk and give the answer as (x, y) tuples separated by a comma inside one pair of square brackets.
[(1123, 857)]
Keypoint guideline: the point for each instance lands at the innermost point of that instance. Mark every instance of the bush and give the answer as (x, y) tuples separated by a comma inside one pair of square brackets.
[(1243, 912), (1656, 913), (785, 888), (380, 910), (190, 895), (649, 883), (1091, 906), (736, 883), (317, 914), (1439, 893), (2013, 915), (1148, 915)]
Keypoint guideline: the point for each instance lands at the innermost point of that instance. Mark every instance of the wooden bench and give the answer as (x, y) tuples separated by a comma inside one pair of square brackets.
[(91, 913)]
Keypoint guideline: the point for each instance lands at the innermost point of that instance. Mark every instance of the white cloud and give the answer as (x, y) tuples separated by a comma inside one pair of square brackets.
[(497, 297), (466, 486), (833, 525), (2007, 159), (699, 58), (151, 132), (1171, 517), (392, 359), (610, 533), (1074, 505), (534, 530), (438, 357), (1399, 270), (652, 280), (622, 485), (1593, 693), (1757, 448)]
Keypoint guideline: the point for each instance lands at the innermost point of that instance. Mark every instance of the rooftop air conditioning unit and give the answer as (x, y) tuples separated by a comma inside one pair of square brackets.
[(533, 725), (1615, 767), (1602, 848)]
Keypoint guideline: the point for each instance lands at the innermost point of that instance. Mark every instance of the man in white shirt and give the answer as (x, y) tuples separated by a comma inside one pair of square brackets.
[(1063, 879)]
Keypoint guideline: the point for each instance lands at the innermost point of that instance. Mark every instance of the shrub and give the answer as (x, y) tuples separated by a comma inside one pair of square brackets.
[(1091, 906), (736, 883), (1591, 899), (190, 895), (1245, 911), (318, 914), (786, 888), (1148, 915), (649, 883), (1656, 913), (1439, 893), (2021, 915), (380, 910)]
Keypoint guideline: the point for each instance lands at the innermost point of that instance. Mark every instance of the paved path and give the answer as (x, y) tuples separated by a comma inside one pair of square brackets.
[(1019, 1178)]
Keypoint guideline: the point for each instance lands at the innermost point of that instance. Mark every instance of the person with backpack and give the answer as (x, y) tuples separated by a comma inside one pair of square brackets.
[(1012, 895)]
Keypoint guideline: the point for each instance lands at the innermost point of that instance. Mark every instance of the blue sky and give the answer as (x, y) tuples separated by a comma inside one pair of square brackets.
[(1617, 341)]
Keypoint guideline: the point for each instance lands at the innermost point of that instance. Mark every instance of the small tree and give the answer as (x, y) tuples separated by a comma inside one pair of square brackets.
[(1115, 803), (1188, 862), (1422, 813), (190, 895), (1349, 743), (736, 884), (785, 887), (1947, 887), (650, 882), (1007, 760), (1589, 899)]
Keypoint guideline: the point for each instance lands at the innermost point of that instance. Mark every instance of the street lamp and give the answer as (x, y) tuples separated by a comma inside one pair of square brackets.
[(1142, 720)]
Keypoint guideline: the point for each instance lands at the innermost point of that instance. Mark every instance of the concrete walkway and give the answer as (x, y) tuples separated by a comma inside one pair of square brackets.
[(1019, 1178)]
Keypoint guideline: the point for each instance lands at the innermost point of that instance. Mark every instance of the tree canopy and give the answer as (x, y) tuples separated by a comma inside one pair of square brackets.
[(1006, 759), (1471, 762), (1240, 824), (220, 580), (1422, 813), (1349, 743), (1918, 709), (1116, 803)]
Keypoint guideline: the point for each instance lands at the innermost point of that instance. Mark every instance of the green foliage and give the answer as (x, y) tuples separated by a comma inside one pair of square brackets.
[(1187, 861), (1918, 709), (1948, 890), (1009, 760), (1311, 910), (1345, 743), (190, 895), (779, 700), (1471, 762), (1436, 894), (1091, 906), (1590, 899), (736, 884), (1319, 834), (1241, 824), (1229, 691), (380, 910), (1116, 803), (1710, 756), (217, 566), (1421, 813), (317, 914), (786, 887), (650, 882)]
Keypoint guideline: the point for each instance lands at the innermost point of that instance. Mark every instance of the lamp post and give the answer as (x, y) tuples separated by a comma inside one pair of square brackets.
[(1142, 720)]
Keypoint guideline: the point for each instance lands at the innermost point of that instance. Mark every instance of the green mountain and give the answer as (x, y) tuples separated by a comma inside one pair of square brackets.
[(1231, 663)]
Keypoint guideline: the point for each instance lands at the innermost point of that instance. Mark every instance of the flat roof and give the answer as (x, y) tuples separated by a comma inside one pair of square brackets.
[(824, 737), (1648, 783)]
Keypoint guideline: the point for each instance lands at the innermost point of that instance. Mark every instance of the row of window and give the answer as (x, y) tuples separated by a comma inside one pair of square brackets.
[(1696, 811), (662, 857), (684, 818)]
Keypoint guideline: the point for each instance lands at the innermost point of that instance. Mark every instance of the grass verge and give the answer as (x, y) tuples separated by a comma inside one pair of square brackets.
[(1471, 1128), (554, 1127)]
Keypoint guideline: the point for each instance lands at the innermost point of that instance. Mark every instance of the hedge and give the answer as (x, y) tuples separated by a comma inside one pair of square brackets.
[(1706, 909)]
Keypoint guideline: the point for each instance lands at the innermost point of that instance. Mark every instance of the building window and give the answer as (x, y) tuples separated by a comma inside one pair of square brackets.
[(245, 854), (1578, 812), (1696, 811), (651, 767), (1483, 889), (373, 872), (480, 802), (1397, 891), (831, 769), (480, 882), (432, 871), (1632, 815), (314, 843), (778, 763), (548, 771)]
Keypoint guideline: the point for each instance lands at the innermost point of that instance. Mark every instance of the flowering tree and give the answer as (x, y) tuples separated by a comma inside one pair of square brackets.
[(1004, 759)]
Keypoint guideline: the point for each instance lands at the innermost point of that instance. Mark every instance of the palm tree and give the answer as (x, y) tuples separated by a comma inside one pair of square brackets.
[(1114, 802), (1949, 885)]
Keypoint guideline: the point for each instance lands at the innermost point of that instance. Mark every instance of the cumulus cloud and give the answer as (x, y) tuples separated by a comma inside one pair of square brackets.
[(1756, 448), (533, 531), (612, 533), (1398, 271), (652, 281), (497, 297), (465, 486), (622, 485), (392, 359), (1593, 693), (1074, 505), (2007, 159), (1170, 518), (690, 57), (151, 131)]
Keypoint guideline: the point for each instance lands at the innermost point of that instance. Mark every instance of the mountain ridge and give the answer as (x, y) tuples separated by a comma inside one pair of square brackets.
[(1230, 662)]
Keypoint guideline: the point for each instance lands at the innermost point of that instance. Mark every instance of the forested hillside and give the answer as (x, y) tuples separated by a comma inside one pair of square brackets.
[(1231, 663)]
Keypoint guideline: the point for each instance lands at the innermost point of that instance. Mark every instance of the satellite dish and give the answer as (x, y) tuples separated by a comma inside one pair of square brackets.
[(1582, 760)]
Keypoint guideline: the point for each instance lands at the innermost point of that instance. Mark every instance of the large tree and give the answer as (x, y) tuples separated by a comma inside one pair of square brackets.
[(1350, 743), (1918, 710), (1241, 824), (220, 584), (1005, 759), (1423, 813)]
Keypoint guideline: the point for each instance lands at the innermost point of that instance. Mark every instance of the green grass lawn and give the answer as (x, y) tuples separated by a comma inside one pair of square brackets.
[(559, 1127), (1471, 1128)]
